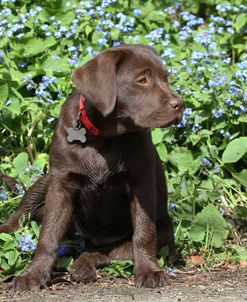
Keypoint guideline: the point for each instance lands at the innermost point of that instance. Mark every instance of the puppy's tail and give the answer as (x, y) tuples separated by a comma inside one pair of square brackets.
[(11, 183)]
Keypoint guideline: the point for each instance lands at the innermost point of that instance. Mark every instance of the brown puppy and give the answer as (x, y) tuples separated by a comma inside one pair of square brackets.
[(109, 183)]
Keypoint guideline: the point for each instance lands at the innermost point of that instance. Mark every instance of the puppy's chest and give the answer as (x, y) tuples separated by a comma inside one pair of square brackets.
[(101, 167)]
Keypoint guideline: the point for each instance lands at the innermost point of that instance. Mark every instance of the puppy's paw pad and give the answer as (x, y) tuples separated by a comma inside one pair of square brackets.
[(82, 271), (152, 279)]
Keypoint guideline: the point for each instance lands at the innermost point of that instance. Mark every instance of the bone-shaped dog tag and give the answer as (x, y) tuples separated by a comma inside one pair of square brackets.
[(75, 134)]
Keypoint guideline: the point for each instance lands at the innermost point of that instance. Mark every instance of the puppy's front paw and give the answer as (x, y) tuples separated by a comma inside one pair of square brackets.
[(152, 279), (27, 282), (82, 271)]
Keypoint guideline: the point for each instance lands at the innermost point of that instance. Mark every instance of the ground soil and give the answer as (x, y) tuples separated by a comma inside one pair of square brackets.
[(223, 285)]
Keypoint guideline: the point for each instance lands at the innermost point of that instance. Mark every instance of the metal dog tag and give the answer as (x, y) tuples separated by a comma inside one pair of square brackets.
[(75, 134)]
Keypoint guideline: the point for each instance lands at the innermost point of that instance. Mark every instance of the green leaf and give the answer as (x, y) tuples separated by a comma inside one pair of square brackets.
[(20, 162), (11, 256), (5, 237), (241, 177), (42, 160), (235, 150), (241, 212), (95, 37), (55, 64), (4, 264), (157, 136), (14, 107), (88, 29), (4, 92), (239, 253), (35, 228), (63, 263), (209, 224), (120, 268), (183, 159), (162, 151), (241, 21), (8, 245), (115, 34), (34, 46)]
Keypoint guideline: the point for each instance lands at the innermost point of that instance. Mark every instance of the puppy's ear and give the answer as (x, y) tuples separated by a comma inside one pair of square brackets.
[(96, 80)]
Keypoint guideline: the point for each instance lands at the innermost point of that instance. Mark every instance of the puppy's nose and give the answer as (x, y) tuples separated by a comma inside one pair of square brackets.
[(176, 103)]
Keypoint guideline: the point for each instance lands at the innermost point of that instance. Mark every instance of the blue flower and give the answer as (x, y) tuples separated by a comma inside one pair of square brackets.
[(63, 29), (19, 36), (20, 189), (186, 115), (217, 81), (102, 42), (8, 102), (56, 23), (155, 34), (72, 61), (58, 34), (26, 243), (206, 163), (243, 108), (168, 53), (233, 89), (230, 30), (136, 12), (185, 33), (223, 8), (106, 3), (48, 80), (90, 50), (217, 113), (197, 56), (203, 38), (22, 64), (227, 60), (216, 169), (116, 43), (172, 205), (72, 48), (175, 23), (63, 250), (30, 86), (228, 102), (44, 27), (50, 120), (3, 196), (226, 133), (55, 57)]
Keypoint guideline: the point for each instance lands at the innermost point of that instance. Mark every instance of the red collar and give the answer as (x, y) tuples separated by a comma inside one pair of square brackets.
[(85, 120)]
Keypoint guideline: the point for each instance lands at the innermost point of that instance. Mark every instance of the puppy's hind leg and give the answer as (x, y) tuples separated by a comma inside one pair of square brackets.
[(31, 204), (84, 267)]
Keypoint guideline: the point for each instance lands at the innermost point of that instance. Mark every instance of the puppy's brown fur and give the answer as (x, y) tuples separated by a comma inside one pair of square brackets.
[(111, 188)]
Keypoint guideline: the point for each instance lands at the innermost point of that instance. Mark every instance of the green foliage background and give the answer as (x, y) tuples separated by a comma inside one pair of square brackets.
[(203, 46)]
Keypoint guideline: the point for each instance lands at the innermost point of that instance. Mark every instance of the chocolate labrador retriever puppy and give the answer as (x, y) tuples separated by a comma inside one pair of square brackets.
[(105, 176)]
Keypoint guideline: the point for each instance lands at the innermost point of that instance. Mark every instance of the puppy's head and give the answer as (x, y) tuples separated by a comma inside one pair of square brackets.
[(130, 83)]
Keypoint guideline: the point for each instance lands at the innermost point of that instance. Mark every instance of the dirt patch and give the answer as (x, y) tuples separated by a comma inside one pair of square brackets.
[(216, 286)]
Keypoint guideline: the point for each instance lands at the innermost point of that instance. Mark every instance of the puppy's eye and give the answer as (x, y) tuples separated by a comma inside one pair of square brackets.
[(142, 81)]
